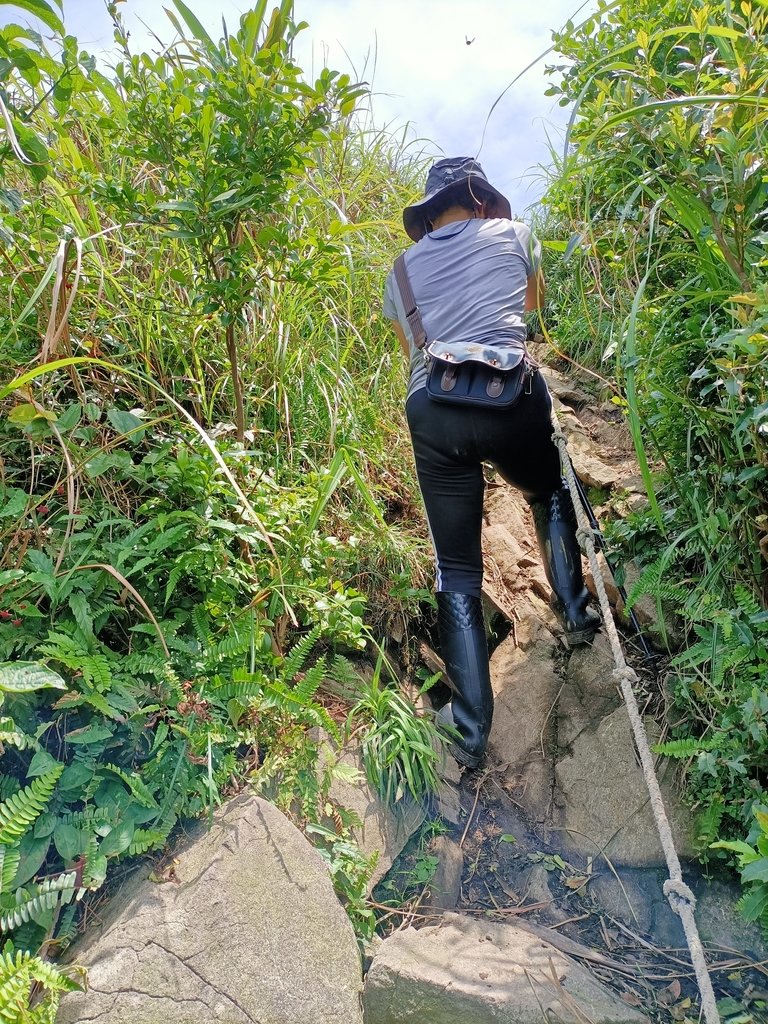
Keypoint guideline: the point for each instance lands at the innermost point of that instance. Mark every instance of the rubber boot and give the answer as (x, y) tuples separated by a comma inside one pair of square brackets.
[(556, 532), (465, 653)]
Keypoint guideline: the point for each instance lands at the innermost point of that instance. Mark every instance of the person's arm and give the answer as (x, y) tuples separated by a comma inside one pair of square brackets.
[(534, 292), (401, 338)]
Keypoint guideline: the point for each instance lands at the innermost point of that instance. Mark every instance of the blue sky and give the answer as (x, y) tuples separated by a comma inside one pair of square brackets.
[(427, 80)]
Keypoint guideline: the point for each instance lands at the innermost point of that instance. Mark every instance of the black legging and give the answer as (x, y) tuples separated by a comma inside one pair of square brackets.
[(450, 443)]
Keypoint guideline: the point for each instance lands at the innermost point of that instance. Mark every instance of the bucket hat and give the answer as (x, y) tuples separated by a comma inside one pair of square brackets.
[(444, 175)]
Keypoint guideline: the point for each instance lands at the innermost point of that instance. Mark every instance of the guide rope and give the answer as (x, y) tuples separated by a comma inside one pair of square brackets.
[(679, 895)]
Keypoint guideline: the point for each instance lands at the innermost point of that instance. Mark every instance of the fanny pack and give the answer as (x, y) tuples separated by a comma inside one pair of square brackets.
[(467, 373)]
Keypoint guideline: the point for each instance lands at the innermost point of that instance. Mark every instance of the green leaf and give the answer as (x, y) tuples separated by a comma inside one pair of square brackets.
[(25, 676), (41, 763), (754, 903), (123, 422), (33, 851), (69, 841), (194, 25), (118, 840), (89, 734), (44, 11), (757, 871), (75, 776)]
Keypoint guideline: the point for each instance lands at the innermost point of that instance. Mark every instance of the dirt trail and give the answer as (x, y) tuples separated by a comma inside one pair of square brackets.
[(554, 831)]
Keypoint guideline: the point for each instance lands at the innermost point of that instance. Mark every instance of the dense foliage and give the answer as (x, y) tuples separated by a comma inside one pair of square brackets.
[(191, 530), (664, 187)]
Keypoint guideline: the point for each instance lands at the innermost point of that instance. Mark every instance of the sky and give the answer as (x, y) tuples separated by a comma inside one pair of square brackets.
[(435, 68)]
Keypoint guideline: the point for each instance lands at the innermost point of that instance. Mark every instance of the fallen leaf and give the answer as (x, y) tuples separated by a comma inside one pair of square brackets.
[(631, 998), (577, 882)]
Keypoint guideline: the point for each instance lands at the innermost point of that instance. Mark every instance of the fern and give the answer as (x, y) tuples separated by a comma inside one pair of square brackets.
[(200, 626), (311, 682), (10, 857), (654, 581), (45, 896), (10, 734), (232, 646), (145, 839), (20, 809), (17, 974), (688, 747), (299, 653), (708, 823), (139, 789), (90, 816)]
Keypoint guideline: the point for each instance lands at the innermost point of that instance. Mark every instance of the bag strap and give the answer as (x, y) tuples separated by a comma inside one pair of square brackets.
[(412, 314)]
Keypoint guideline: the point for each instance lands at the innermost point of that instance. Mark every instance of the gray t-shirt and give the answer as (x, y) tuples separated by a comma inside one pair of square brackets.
[(469, 280)]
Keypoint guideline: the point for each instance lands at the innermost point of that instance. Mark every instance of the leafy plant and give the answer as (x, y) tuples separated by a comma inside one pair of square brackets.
[(400, 748)]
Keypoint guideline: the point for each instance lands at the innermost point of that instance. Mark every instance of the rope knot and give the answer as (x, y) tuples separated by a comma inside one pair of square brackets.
[(624, 674), (585, 536), (679, 895)]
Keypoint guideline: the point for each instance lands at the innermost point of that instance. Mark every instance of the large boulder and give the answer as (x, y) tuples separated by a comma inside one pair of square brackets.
[(249, 929), (602, 800), (467, 970)]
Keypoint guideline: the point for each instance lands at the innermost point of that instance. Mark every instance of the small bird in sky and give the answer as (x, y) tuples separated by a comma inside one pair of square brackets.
[(469, 41)]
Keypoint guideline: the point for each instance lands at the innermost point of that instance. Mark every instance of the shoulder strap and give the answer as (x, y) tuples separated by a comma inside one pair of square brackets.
[(412, 314)]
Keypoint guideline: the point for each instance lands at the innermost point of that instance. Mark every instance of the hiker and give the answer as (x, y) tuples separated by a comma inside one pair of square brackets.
[(473, 273)]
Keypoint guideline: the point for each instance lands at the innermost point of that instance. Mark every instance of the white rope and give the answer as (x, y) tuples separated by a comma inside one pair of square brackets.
[(680, 897)]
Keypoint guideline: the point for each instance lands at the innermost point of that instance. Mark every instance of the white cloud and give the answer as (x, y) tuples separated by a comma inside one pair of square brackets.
[(415, 55)]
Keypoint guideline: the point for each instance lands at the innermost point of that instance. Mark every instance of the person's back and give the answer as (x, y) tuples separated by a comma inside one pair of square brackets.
[(474, 272)]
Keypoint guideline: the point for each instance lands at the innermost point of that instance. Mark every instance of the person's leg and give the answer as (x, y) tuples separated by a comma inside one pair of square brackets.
[(527, 457), (451, 482)]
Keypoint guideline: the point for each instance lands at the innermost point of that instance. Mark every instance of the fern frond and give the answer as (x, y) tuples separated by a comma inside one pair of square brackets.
[(654, 580), (201, 628), (311, 682), (96, 671), (233, 645), (91, 816), (20, 809), (46, 895), (145, 839), (708, 824), (10, 857), (294, 660), (688, 747), (243, 690), (12, 736), (138, 788)]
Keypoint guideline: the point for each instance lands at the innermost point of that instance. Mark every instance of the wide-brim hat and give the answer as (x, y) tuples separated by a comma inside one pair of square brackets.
[(443, 176)]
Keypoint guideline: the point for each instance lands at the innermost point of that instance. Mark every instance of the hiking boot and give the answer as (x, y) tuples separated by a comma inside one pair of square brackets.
[(465, 653), (555, 522)]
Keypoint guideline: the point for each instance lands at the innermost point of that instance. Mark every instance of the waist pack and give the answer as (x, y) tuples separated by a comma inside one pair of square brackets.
[(467, 373), (475, 374)]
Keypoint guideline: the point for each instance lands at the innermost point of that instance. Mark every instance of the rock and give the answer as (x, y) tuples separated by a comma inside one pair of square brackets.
[(250, 930), (603, 800), (383, 829), (561, 387), (467, 970), (506, 550), (589, 692), (525, 684), (589, 469), (445, 887)]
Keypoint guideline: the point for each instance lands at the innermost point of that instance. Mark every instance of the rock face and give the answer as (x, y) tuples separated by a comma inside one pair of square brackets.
[(383, 830), (249, 931), (559, 726), (466, 970)]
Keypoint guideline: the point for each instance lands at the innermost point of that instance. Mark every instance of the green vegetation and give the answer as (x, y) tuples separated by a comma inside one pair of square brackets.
[(663, 192), (194, 541), (207, 509)]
